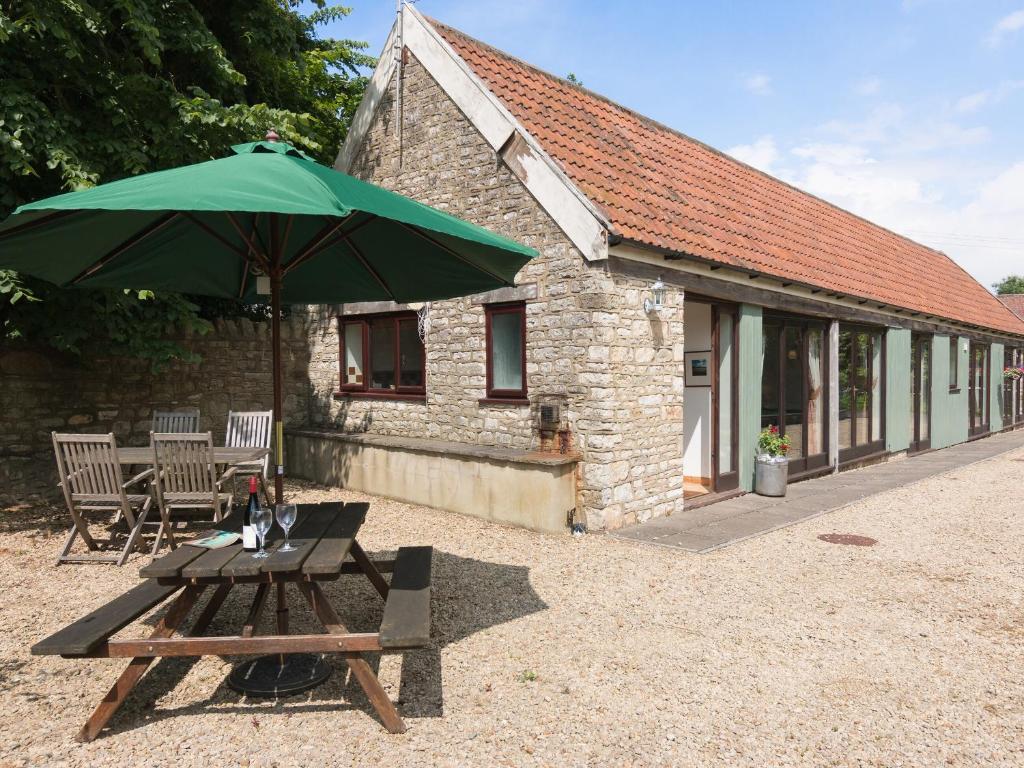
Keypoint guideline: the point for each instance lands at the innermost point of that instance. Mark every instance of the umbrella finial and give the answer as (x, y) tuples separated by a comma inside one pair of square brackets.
[(272, 135)]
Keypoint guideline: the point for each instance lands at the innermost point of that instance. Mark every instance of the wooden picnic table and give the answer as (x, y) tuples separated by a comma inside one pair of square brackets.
[(222, 454), (325, 539)]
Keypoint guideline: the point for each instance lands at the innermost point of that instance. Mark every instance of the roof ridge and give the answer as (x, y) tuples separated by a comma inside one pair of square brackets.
[(662, 126)]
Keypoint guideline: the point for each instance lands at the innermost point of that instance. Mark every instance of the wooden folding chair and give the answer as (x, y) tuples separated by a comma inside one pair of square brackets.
[(251, 429), (92, 479), (186, 478), (185, 420)]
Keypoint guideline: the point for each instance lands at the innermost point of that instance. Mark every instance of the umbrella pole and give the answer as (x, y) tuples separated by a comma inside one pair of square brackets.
[(275, 325)]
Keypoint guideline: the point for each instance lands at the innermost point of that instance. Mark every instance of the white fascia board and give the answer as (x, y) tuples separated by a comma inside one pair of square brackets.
[(581, 221)]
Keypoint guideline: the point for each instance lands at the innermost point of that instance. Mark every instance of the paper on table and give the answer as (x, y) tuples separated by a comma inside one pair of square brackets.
[(215, 540)]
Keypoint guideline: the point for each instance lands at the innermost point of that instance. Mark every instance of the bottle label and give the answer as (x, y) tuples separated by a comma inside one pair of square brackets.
[(248, 537)]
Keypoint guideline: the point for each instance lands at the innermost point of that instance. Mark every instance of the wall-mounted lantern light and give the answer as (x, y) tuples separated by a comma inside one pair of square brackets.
[(656, 301)]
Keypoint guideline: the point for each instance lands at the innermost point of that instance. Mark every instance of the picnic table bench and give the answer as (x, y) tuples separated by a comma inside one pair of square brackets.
[(324, 539)]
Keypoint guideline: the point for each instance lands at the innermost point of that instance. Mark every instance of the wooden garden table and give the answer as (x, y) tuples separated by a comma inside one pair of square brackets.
[(324, 537)]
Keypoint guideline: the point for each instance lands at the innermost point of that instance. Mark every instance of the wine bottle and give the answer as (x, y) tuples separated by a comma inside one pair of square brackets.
[(248, 529)]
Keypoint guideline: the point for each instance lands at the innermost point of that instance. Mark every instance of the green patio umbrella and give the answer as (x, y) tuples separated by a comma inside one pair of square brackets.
[(266, 214)]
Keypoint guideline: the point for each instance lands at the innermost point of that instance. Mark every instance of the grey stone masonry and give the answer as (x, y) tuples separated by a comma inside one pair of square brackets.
[(41, 392), (589, 343)]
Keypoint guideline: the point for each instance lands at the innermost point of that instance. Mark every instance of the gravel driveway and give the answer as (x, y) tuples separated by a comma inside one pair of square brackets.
[(781, 650)]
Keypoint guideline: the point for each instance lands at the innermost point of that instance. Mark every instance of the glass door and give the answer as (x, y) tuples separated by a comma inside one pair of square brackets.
[(920, 392), (1012, 388), (793, 389), (978, 389), (725, 403), (861, 392)]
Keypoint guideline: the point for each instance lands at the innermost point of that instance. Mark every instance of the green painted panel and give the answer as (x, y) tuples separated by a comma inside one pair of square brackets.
[(996, 390), (750, 361), (897, 389), (949, 409)]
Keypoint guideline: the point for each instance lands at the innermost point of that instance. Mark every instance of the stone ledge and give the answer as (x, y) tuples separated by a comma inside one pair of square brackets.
[(441, 447)]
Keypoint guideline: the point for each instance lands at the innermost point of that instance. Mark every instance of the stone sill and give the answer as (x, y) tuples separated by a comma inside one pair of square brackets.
[(442, 447), (411, 397), (518, 401)]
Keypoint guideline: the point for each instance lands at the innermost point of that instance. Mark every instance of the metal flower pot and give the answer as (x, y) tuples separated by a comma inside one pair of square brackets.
[(770, 475)]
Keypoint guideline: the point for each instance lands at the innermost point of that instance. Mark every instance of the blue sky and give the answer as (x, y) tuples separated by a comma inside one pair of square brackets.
[(909, 113)]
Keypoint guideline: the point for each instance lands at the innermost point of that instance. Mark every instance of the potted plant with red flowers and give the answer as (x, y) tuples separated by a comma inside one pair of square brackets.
[(771, 466)]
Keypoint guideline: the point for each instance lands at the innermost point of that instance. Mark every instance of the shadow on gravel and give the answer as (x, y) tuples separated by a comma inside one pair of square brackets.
[(468, 596)]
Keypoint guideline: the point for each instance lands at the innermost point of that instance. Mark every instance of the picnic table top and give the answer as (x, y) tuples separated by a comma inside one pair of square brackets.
[(323, 536), (222, 454)]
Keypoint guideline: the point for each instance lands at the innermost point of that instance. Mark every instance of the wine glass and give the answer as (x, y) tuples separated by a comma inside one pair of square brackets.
[(286, 519), (262, 519)]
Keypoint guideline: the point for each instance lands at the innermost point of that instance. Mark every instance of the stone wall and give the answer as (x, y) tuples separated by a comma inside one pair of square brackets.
[(41, 392), (589, 343)]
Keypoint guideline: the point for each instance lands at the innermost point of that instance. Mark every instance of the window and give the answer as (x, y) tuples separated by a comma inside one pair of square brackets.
[(954, 364), (506, 351), (793, 391), (861, 392), (382, 355)]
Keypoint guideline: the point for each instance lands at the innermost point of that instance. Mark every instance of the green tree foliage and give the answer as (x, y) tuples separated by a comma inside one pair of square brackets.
[(93, 91), (1009, 284)]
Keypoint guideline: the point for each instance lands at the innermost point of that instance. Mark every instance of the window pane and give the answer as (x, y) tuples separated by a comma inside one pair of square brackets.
[(954, 360), (794, 385), (382, 353), (861, 376), (846, 348), (507, 351), (815, 391), (876, 386), (410, 353), (770, 376), (914, 394), (926, 389), (353, 371), (725, 393)]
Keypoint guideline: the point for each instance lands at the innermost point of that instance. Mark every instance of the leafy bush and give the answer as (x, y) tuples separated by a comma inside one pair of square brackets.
[(99, 90)]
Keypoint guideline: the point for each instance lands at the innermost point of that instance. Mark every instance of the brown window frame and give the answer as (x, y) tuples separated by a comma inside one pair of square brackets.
[(779, 322), (512, 396), (983, 419), (400, 392), (954, 364), (876, 444)]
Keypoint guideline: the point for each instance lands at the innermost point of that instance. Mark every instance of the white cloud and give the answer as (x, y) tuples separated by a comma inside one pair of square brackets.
[(875, 127), (902, 171), (890, 125), (972, 102), (869, 86), (1013, 22), (758, 83), (762, 154)]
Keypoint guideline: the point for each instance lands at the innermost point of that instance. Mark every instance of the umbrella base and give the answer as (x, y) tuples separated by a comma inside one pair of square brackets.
[(266, 677)]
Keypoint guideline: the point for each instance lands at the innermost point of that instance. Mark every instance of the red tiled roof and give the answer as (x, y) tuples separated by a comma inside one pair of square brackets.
[(1013, 302), (662, 189)]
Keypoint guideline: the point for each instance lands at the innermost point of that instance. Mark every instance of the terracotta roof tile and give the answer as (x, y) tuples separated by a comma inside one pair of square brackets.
[(1014, 302), (663, 189)]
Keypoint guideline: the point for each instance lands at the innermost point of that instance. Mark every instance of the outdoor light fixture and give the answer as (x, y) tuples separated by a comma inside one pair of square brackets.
[(656, 301)]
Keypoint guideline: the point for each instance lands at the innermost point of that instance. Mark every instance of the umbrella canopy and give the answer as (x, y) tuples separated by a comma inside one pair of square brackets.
[(268, 210), (208, 228)]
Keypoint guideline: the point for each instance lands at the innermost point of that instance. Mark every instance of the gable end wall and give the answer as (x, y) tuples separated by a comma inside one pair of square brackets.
[(589, 344)]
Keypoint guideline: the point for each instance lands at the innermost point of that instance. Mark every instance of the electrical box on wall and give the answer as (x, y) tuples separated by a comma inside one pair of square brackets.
[(549, 416)]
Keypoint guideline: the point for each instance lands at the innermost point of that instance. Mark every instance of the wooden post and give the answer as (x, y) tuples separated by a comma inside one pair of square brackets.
[(275, 324)]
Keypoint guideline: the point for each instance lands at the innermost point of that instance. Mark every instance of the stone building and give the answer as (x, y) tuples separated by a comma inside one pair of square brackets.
[(681, 302)]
